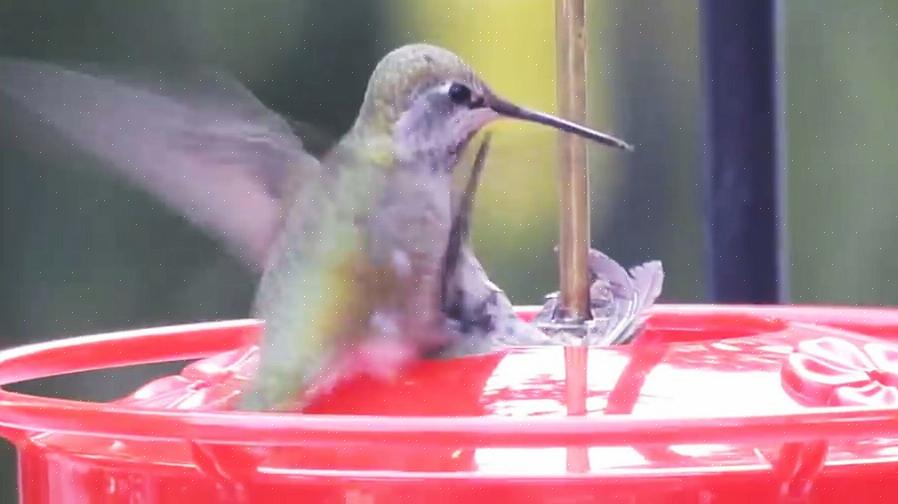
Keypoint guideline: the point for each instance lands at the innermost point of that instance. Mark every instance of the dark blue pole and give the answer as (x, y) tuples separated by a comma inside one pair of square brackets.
[(743, 149)]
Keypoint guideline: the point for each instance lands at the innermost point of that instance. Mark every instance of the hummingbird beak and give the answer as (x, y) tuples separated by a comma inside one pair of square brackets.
[(507, 109)]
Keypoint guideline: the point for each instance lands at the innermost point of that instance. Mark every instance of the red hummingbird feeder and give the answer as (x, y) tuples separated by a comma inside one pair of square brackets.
[(723, 404), (710, 404)]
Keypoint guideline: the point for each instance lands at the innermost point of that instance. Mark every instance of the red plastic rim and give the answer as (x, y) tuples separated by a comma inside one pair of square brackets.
[(20, 412)]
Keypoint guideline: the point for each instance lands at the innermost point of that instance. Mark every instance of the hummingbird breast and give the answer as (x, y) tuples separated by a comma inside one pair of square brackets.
[(409, 231)]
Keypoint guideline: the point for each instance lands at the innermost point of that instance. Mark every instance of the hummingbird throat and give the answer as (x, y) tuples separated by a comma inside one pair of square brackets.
[(426, 136)]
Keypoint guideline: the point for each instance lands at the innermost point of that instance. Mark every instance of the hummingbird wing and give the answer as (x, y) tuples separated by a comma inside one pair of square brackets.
[(460, 230), (202, 144), (478, 310)]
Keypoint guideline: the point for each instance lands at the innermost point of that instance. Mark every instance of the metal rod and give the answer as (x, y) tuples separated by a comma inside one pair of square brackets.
[(573, 302), (744, 149), (576, 361)]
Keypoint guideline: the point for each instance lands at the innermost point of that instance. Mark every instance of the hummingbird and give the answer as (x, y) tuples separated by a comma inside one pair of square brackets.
[(363, 254), (482, 312)]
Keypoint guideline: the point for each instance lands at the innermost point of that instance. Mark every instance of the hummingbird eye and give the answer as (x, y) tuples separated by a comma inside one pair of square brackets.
[(459, 93)]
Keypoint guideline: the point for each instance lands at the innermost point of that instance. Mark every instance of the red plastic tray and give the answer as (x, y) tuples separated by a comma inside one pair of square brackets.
[(712, 404)]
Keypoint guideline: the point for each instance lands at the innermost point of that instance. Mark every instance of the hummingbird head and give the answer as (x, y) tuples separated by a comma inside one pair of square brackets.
[(430, 103)]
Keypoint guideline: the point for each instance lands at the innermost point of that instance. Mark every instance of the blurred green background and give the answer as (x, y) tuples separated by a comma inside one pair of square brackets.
[(81, 252)]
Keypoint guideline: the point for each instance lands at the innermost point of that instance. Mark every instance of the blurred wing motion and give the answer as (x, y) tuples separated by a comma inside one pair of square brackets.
[(204, 145)]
